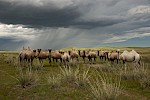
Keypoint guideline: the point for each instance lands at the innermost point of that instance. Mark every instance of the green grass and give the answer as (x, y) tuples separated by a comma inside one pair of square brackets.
[(131, 87)]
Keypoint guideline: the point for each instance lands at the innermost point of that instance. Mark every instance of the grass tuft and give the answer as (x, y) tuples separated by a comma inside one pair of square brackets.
[(144, 77), (83, 78), (27, 77), (104, 87), (54, 81), (134, 73), (69, 75)]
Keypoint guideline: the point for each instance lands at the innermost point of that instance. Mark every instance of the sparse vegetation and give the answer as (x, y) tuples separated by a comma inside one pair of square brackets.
[(101, 80), (26, 77), (105, 87), (54, 81), (134, 73), (83, 78), (11, 59), (69, 75)]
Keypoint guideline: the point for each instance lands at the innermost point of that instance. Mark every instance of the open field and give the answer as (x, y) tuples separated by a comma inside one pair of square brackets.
[(54, 82)]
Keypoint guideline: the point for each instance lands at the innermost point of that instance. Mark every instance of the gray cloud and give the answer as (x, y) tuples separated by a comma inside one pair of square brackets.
[(10, 43), (36, 16), (83, 23), (50, 15)]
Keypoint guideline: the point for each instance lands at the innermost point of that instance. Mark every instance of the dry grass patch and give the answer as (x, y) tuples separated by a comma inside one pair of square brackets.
[(75, 76), (83, 78), (105, 87), (54, 81), (11, 59), (26, 77), (133, 72), (68, 74)]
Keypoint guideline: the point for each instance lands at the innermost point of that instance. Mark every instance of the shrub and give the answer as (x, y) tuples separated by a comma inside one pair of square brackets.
[(126, 74), (54, 81), (145, 82), (135, 73), (69, 75), (105, 68), (143, 77), (11, 59), (37, 66), (83, 78), (27, 77), (104, 87)]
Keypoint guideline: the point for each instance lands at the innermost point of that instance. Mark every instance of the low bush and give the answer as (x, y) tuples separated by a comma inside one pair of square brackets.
[(104, 87)]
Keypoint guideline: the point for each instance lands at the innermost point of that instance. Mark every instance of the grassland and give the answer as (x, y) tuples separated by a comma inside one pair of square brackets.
[(53, 84)]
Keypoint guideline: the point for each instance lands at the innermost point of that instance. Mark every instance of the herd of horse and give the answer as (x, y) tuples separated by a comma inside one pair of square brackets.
[(28, 54)]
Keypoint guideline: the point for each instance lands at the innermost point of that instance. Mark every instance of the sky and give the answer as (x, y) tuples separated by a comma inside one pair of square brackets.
[(58, 24)]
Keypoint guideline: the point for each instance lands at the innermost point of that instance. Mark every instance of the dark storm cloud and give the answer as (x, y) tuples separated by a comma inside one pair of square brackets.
[(101, 22), (50, 16), (83, 23), (36, 16)]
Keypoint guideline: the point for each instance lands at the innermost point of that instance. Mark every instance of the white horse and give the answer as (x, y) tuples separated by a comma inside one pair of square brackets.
[(132, 56)]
